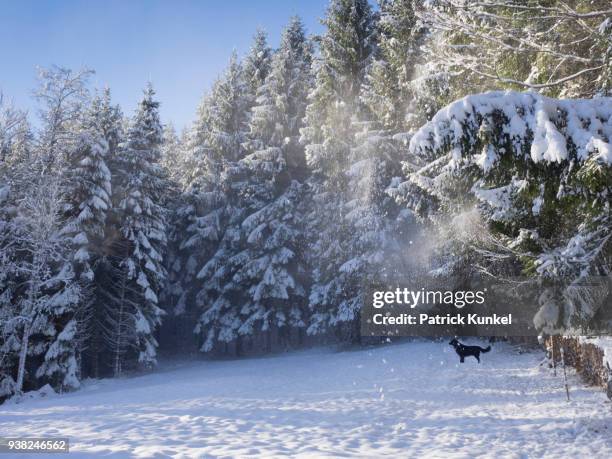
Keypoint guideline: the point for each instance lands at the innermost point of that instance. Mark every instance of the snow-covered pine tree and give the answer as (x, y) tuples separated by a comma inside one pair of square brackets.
[(172, 155), (104, 119), (256, 65), (380, 233), (221, 127), (87, 197), (199, 217), (267, 274), (347, 49), (180, 200), (190, 239), (133, 313), (226, 113), (87, 191), (281, 98), (108, 120), (388, 89), (539, 172)]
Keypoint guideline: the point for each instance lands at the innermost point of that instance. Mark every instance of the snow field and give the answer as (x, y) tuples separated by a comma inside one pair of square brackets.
[(403, 400)]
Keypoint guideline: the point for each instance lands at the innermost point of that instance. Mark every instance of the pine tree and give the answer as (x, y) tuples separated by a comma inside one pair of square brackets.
[(172, 155), (180, 261), (519, 161), (103, 122), (388, 90), (267, 273), (200, 216), (87, 191), (133, 313), (380, 232), (347, 50), (257, 65), (88, 196), (196, 215), (226, 114)]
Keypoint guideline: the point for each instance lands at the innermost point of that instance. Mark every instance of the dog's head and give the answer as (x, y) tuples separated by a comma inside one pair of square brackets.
[(453, 342)]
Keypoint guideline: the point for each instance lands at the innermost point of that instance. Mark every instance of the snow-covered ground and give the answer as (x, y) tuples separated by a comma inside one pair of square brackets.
[(404, 400)]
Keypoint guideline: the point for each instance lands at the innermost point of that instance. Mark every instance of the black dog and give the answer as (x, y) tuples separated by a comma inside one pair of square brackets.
[(465, 351)]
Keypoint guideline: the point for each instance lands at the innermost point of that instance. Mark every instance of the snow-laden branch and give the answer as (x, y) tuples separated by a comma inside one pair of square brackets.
[(548, 84), (566, 11), (531, 121)]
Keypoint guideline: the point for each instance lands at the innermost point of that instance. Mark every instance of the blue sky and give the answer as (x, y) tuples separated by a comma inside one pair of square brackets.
[(180, 45)]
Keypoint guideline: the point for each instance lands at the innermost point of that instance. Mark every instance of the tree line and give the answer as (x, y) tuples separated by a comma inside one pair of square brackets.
[(311, 172)]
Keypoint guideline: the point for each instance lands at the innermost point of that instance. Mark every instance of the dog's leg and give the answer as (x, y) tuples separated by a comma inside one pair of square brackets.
[(462, 359)]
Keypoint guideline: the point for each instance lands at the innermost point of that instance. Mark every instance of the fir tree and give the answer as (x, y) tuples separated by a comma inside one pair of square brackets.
[(267, 273), (103, 119), (257, 65), (380, 231), (88, 196), (226, 113), (133, 313), (347, 50), (518, 161)]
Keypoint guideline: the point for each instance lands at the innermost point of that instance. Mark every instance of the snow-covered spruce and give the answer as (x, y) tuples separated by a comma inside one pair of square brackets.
[(87, 189), (379, 230), (212, 210), (105, 120), (526, 160), (270, 269), (132, 307), (252, 284), (332, 120), (257, 65)]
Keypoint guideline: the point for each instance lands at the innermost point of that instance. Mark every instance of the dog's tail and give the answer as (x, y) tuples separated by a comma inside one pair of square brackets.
[(483, 350)]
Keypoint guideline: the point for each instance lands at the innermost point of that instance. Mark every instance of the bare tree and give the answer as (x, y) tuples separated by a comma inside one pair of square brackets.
[(12, 122), (63, 95), (557, 47)]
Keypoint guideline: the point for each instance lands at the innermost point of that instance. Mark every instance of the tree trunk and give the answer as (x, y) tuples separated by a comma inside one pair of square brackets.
[(119, 348), (23, 353), (238, 346), (27, 329), (96, 355), (269, 341)]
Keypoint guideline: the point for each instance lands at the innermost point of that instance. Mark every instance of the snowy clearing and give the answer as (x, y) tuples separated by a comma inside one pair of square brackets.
[(405, 400)]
